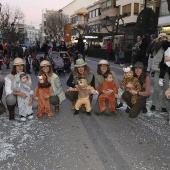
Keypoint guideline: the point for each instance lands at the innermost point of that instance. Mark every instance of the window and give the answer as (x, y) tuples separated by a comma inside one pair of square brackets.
[(94, 13), (126, 9), (74, 20), (90, 14), (106, 5), (136, 8), (95, 28), (97, 12)]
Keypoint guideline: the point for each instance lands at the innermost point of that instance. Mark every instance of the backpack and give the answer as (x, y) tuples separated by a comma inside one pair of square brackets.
[(58, 62)]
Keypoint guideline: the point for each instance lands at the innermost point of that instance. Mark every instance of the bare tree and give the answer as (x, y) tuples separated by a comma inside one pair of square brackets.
[(56, 23), (10, 17), (113, 24)]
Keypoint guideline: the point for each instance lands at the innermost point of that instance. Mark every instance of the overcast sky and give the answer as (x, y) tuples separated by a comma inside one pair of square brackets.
[(33, 8)]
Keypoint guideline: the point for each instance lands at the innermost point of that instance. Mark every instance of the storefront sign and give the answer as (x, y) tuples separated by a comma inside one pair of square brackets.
[(91, 37), (166, 30)]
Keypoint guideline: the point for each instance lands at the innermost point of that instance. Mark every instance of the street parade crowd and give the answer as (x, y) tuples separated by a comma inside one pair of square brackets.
[(149, 58)]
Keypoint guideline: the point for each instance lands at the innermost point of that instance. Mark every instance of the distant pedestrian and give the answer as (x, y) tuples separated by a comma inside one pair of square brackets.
[(109, 50), (117, 53), (136, 51), (20, 51), (5, 49), (143, 49), (80, 47), (62, 46), (7, 61), (28, 63), (150, 52)]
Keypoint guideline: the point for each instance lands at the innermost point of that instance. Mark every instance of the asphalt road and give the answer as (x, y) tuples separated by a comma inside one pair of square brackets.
[(80, 142)]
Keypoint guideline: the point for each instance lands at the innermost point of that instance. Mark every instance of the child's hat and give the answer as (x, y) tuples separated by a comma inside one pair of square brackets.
[(127, 69)]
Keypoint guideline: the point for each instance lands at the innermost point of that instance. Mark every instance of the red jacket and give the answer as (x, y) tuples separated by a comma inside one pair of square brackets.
[(109, 47)]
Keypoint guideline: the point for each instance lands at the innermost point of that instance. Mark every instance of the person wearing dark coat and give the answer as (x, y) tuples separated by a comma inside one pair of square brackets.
[(62, 46), (44, 48), (80, 47), (20, 51), (143, 48)]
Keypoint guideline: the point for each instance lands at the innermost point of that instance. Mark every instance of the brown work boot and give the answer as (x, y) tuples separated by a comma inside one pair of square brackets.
[(57, 108)]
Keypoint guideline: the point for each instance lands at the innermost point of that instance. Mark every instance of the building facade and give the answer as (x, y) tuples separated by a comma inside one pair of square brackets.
[(76, 5), (44, 31), (164, 17), (31, 34)]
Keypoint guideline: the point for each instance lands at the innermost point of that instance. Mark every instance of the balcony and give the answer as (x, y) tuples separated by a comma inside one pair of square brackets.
[(78, 23), (81, 22)]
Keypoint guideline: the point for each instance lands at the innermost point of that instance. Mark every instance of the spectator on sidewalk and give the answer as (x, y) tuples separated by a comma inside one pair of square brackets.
[(80, 47), (62, 46), (102, 69), (20, 51), (117, 52), (144, 80), (136, 50), (109, 50), (122, 55), (9, 50), (150, 52), (5, 49), (143, 48), (81, 70), (158, 54)]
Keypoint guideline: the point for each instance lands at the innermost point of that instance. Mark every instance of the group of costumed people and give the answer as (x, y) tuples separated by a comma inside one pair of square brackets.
[(19, 91), (83, 84)]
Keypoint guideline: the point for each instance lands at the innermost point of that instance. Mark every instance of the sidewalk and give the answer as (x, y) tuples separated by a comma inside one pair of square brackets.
[(110, 62)]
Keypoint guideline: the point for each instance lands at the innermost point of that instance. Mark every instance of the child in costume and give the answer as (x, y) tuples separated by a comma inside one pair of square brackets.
[(23, 84), (129, 78), (42, 94), (84, 91), (108, 84)]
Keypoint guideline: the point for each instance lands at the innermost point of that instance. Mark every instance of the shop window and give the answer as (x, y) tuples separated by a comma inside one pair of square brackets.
[(126, 10), (136, 8)]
